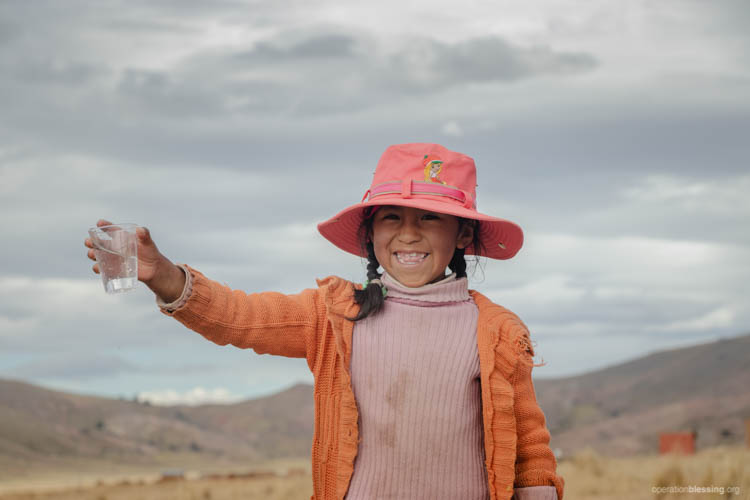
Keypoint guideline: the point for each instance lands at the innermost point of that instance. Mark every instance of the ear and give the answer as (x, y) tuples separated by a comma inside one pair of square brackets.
[(465, 236)]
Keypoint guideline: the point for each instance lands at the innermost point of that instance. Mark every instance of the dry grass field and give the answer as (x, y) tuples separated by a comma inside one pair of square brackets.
[(588, 476)]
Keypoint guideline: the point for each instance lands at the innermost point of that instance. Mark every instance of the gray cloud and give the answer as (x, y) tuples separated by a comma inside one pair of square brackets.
[(321, 71), (335, 73), (141, 25), (429, 64), (156, 93), (316, 47), (425, 66), (58, 72)]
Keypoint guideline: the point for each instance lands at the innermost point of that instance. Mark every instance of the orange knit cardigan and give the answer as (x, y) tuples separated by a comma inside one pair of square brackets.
[(311, 325)]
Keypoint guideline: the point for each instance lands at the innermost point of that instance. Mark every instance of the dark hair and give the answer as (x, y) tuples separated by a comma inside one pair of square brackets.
[(371, 297)]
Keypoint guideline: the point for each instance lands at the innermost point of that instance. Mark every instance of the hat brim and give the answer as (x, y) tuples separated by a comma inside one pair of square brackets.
[(501, 238)]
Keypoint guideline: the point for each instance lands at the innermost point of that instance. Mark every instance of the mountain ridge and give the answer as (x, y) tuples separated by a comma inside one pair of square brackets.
[(618, 410)]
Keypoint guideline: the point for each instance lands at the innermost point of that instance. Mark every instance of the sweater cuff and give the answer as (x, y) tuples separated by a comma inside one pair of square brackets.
[(186, 292), (540, 477), (535, 493)]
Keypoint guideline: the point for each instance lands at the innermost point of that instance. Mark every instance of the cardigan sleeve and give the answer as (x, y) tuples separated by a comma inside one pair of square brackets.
[(535, 462), (267, 322)]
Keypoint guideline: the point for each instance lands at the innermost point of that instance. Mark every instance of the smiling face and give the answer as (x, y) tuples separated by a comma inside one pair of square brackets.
[(415, 246)]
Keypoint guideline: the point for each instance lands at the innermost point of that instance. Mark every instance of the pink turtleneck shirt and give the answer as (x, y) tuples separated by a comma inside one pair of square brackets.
[(430, 329)]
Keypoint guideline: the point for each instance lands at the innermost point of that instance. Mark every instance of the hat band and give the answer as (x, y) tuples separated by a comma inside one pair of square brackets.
[(409, 188)]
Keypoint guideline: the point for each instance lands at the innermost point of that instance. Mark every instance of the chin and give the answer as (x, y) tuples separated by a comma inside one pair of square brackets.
[(411, 282)]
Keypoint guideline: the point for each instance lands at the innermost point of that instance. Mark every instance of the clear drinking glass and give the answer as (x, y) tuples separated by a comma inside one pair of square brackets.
[(116, 252)]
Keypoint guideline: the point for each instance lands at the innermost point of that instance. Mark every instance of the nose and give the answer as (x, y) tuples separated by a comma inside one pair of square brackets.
[(409, 231)]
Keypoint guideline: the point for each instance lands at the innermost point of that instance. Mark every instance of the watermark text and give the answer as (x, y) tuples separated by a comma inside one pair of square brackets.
[(717, 490)]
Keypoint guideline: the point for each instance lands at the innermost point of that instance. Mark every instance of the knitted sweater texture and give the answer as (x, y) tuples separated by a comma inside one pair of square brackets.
[(415, 375), (312, 325)]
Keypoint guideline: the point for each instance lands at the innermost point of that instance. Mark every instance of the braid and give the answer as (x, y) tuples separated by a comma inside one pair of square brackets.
[(371, 297), (372, 262), (458, 263)]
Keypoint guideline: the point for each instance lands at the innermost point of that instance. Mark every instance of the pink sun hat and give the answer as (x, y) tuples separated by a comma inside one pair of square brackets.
[(430, 177)]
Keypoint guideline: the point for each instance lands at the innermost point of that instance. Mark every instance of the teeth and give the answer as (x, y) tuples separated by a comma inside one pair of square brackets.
[(410, 258)]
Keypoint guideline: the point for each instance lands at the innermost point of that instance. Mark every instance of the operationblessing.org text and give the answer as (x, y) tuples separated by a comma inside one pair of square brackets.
[(718, 490)]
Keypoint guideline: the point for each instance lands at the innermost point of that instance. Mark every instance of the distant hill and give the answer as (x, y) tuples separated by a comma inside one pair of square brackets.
[(621, 410), (44, 429), (617, 411)]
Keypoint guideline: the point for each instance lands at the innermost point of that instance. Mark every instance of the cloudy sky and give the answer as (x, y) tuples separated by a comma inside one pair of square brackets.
[(616, 135)]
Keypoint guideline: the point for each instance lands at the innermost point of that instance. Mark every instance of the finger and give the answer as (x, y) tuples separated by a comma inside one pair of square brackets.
[(87, 242), (95, 267), (91, 255), (143, 233), (103, 222)]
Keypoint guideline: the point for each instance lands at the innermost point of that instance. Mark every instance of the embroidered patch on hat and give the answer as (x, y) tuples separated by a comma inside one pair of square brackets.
[(432, 167)]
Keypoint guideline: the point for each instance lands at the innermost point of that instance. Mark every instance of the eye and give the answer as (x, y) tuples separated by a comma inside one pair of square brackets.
[(390, 216), (430, 216)]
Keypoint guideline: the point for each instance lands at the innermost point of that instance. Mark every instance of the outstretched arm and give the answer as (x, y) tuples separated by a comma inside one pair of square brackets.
[(267, 322)]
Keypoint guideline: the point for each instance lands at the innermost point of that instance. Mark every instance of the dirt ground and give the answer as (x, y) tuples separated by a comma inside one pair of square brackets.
[(716, 473)]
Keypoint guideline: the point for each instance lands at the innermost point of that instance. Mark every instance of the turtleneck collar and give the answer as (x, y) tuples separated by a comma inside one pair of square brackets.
[(450, 289)]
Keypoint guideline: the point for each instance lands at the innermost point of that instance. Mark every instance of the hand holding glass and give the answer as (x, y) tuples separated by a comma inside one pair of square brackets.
[(116, 251)]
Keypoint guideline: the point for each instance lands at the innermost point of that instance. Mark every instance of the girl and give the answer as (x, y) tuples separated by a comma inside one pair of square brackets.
[(422, 387)]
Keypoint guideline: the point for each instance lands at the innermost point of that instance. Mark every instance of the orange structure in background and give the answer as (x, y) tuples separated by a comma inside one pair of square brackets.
[(677, 442)]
